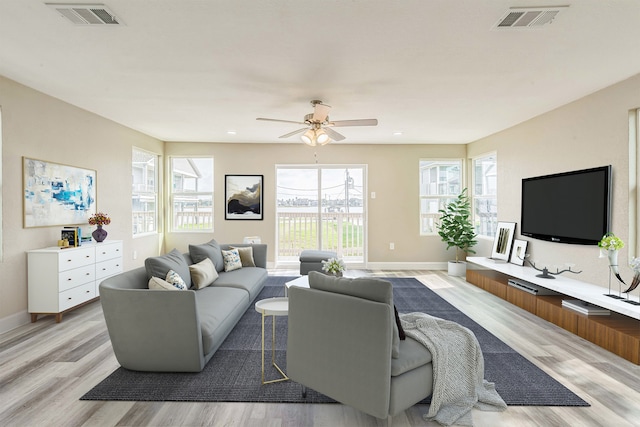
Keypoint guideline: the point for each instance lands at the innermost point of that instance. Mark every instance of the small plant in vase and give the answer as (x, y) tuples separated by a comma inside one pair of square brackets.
[(99, 219), (456, 230), (333, 266)]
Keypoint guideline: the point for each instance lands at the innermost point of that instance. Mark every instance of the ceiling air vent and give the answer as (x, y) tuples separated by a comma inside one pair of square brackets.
[(528, 17), (86, 14)]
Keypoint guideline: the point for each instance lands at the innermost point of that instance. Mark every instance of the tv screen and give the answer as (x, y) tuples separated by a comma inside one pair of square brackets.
[(570, 207)]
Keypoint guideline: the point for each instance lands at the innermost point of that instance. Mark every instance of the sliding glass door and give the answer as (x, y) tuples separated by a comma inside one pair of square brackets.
[(321, 207)]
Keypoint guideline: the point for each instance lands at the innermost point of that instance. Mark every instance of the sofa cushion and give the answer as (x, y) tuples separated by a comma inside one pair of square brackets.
[(203, 273), (231, 260), (162, 285), (250, 279), (159, 266), (174, 279), (412, 354), (209, 250), (362, 287), (246, 256), (219, 309)]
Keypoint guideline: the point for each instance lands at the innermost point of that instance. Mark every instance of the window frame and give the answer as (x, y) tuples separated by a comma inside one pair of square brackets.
[(443, 199), (173, 194), (475, 197), (155, 194)]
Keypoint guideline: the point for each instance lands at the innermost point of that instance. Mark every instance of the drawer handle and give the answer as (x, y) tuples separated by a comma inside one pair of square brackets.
[(87, 256), (69, 279), (86, 292), (88, 274), (69, 299), (104, 253), (69, 260)]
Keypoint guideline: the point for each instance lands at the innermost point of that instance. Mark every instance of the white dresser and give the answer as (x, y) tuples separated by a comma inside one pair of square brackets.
[(62, 279)]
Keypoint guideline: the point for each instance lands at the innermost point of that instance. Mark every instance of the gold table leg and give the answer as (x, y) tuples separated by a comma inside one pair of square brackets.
[(273, 352)]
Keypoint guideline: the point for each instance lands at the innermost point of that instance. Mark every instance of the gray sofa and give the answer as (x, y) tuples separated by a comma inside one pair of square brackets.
[(344, 342), (178, 331)]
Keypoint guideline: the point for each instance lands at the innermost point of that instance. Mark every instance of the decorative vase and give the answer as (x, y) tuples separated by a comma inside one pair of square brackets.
[(99, 234)]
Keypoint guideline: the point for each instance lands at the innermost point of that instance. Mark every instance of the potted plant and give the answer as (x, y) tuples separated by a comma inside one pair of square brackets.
[(456, 230)]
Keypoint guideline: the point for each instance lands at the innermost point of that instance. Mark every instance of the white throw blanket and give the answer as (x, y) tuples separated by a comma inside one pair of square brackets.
[(458, 369)]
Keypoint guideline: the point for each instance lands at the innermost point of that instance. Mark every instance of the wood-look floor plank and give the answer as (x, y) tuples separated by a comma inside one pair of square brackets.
[(46, 367)]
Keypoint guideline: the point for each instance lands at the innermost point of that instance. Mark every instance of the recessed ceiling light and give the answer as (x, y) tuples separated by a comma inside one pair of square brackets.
[(397, 133), (231, 132)]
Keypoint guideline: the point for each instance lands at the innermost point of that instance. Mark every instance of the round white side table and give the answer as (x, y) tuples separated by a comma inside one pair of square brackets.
[(272, 307)]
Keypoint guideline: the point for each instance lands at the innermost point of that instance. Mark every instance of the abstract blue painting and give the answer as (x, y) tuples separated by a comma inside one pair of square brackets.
[(56, 194)]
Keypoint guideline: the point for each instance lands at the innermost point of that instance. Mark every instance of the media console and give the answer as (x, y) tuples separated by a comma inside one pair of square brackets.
[(618, 332)]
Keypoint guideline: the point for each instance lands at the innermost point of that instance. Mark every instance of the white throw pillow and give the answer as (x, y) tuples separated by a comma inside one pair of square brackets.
[(162, 285), (231, 260), (175, 279), (203, 273)]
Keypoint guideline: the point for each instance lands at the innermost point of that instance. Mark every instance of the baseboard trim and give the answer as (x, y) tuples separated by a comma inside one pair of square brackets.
[(13, 321), (406, 266)]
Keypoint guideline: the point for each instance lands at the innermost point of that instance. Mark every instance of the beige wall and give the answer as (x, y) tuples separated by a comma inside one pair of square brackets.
[(589, 132), (42, 127), (392, 174)]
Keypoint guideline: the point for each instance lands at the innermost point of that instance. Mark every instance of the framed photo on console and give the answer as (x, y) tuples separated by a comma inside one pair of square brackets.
[(519, 252), (503, 240)]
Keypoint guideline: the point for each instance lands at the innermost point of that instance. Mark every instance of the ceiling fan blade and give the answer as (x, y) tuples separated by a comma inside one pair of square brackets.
[(333, 134), (280, 121), (360, 122), (287, 135), (320, 112)]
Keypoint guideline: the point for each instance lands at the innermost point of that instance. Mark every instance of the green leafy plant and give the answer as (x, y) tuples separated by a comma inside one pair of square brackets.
[(455, 227)]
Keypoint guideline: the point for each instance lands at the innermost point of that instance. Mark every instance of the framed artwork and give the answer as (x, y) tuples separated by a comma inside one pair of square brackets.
[(503, 240), (56, 194), (519, 252), (243, 197)]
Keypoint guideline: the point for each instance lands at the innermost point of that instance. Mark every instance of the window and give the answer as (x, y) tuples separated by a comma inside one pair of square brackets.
[(485, 195), (144, 194), (192, 194), (440, 182)]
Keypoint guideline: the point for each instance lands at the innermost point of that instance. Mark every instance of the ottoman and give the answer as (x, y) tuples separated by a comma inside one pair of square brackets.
[(311, 260)]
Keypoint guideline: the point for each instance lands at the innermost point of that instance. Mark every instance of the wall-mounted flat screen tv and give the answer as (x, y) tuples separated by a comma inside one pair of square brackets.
[(570, 207)]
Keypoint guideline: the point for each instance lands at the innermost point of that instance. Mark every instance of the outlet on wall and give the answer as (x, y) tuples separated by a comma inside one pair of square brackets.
[(135, 254), (392, 246)]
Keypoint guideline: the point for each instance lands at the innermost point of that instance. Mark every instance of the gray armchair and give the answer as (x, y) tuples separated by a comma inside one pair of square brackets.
[(343, 342)]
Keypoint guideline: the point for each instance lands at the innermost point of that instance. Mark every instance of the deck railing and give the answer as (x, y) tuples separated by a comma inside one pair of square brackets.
[(341, 232)]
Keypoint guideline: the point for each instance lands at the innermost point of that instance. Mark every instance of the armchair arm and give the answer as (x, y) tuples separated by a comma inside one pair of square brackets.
[(153, 330), (340, 346)]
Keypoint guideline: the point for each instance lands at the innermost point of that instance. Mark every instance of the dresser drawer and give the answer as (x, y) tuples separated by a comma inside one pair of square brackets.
[(78, 276), (74, 258), (108, 268), (105, 251), (78, 295)]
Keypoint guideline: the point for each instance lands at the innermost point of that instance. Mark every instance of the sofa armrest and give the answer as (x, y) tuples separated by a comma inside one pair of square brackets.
[(340, 345), (153, 330)]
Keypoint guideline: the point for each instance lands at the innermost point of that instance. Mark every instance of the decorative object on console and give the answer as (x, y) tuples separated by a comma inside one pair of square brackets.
[(99, 219), (519, 252), (333, 266), (609, 246), (503, 240), (635, 265), (456, 230), (546, 274), (243, 197)]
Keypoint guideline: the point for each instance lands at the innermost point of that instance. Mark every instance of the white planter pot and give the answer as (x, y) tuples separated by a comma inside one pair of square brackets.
[(458, 269)]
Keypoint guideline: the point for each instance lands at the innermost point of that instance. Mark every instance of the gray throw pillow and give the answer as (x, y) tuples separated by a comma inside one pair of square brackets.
[(209, 250), (159, 266)]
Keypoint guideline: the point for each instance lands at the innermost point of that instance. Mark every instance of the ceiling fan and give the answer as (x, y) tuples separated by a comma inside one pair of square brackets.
[(318, 130)]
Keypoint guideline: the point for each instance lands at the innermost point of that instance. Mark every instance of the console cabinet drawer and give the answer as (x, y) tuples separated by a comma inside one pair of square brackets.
[(76, 277), (74, 258), (105, 251), (108, 268), (75, 296)]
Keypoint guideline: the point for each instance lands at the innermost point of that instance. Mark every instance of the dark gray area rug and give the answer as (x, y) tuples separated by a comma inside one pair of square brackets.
[(233, 374)]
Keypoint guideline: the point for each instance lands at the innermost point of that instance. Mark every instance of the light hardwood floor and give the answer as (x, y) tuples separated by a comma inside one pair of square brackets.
[(46, 367)]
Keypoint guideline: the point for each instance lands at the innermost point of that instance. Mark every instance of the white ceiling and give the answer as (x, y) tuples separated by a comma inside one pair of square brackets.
[(436, 70)]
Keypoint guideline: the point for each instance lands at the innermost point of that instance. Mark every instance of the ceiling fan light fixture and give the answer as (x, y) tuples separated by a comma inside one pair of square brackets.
[(309, 137), (321, 137)]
